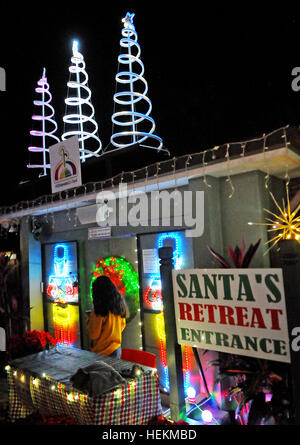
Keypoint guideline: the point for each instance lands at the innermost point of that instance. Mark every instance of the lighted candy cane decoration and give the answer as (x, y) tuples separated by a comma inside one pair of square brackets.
[(47, 114), (81, 100), (130, 119)]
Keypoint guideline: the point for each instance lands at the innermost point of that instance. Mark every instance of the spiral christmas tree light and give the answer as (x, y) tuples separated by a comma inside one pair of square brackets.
[(47, 120), (136, 127), (81, 120)]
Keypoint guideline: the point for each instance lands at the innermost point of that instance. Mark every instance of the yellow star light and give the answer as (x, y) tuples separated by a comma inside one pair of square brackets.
[(286, 224)]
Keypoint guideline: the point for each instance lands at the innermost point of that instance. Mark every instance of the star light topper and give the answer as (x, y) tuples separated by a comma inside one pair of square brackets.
[(128, 20), (76, 53), (75, 46), (44, 78)]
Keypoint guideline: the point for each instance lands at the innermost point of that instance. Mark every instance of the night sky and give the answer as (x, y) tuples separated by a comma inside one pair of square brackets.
[(215, 74)]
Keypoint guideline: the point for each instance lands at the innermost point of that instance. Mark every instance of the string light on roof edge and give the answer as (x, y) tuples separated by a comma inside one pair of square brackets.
[(46, 117), (130, 119), (81, 101), (187, 158)]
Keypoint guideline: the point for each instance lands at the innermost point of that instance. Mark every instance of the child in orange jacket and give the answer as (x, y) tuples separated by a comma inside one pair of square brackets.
[(108, 318)]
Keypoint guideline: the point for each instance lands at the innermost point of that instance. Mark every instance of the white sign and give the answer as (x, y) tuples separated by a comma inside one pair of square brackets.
[(99, 232), (237, 311), (150, 261), (65, 165)]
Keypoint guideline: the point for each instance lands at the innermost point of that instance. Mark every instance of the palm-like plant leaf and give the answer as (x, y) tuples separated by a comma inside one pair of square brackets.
[(238, 256), (219, 258), (249, 254), (232, 254)]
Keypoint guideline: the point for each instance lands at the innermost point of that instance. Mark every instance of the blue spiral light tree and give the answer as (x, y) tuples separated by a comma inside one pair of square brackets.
[(46, 118), (80, 119), (135, 125)]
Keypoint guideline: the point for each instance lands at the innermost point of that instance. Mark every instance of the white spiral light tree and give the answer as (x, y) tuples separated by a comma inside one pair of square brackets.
[(46, 118), (80, 111), (134, 122)]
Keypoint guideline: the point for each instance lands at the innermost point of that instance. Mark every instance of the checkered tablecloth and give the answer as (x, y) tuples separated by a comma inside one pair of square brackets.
[(133, 403)]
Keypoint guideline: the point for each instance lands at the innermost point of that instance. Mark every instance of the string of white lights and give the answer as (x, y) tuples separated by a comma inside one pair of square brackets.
[(228, 179), (157, 167), (267, 176), (81, 101), (174, 173), (286, 144), (204, 163), (46, 117)]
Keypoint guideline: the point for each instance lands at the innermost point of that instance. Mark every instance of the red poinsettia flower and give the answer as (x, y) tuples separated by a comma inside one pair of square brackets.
[(43, 338), (29, 343)]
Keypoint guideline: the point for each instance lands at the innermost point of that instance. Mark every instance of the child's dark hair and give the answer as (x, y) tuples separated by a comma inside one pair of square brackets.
[(106, 298)]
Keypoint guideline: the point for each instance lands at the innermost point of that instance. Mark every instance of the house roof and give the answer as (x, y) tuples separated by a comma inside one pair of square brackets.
[(276, 153)]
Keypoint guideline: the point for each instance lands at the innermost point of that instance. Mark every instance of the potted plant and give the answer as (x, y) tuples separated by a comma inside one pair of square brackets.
[(28, 343), (258, 388)]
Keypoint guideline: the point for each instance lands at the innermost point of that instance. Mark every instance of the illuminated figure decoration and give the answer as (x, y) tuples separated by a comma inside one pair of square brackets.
[(153, 300), (46, 118), (124, 277), (64, 328), (62, 289), (81, 117), (136, 126)]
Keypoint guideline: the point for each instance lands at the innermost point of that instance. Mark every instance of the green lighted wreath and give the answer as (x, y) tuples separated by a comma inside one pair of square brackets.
[(124, 277)]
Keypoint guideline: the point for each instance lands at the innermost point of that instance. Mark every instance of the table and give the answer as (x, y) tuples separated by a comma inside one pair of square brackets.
[(41, 382)]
